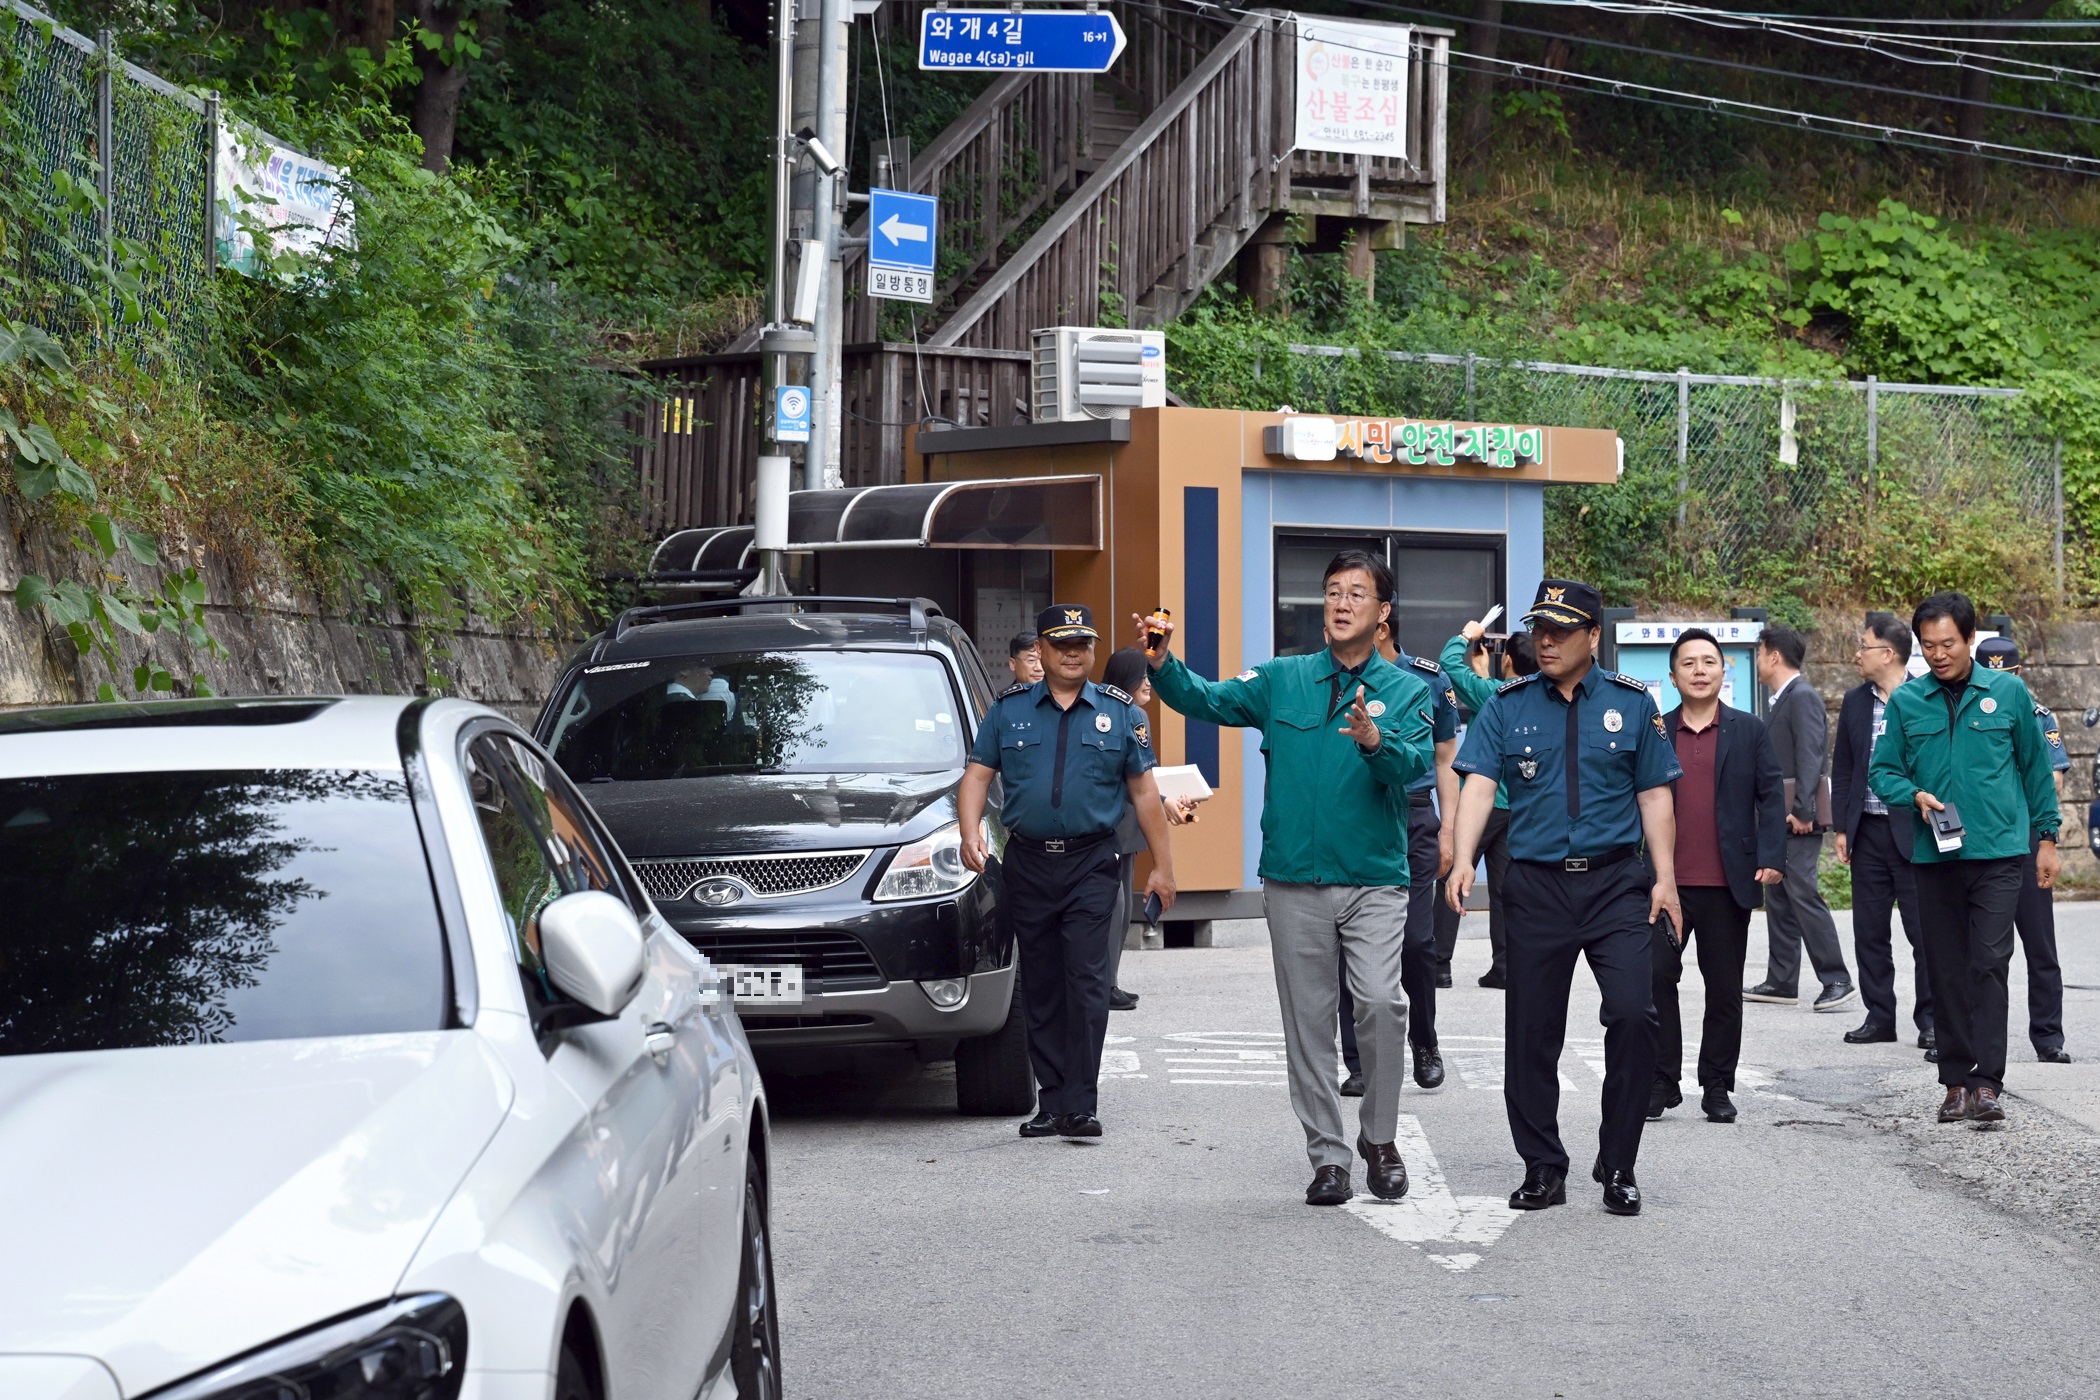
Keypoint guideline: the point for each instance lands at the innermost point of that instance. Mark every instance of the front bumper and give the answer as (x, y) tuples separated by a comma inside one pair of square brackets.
[(898, 1012)]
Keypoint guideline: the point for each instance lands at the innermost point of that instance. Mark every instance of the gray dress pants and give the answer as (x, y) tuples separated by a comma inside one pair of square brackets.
[(1311, 927), (1795, 914)]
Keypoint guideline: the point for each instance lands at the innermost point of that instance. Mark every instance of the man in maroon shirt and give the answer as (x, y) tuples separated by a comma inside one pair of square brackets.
[(1731, 841)]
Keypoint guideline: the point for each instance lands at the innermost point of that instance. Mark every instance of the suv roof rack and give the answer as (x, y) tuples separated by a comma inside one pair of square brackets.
[(918, 609)]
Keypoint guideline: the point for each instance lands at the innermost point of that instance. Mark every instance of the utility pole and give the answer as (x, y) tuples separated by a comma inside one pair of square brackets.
[(827, 209), (779, 341)]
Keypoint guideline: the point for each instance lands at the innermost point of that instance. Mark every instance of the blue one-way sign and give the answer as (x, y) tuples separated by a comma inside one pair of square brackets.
[(1040, 41), (901, 241)]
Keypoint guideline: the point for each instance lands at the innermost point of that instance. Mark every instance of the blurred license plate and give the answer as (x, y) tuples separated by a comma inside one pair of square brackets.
[(768, 985)]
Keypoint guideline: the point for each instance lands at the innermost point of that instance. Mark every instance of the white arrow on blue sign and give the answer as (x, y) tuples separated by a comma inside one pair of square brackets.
[(901, 243), (1037, 41)]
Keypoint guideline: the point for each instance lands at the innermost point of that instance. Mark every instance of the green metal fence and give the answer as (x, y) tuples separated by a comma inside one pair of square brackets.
[(1736, 486), (144, 145)]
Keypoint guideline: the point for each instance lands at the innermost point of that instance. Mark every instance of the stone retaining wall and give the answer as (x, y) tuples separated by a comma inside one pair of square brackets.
[(280, 640)]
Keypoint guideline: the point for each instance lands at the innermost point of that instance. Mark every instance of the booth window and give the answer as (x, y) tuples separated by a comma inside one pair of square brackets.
[(1441, 581)]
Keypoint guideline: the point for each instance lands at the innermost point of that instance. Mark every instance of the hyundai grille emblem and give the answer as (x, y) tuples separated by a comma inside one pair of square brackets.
[(717, 892)]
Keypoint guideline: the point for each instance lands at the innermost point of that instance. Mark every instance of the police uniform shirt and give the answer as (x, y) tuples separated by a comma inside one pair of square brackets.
[(1443, 718), (1065, 771), (2053, 732), (1558, 808)]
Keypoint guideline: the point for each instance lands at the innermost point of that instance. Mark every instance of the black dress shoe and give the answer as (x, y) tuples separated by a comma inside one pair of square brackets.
[(2054, 1055), (1664, 1093), (1493, 977), (1928, 1040), (1621, 1195), (1443, 979), (1715, 1104), (1766, 992), (1353, 1086), (1871, 1034), (1330, 1187), (1542, 1187), (1042, 1125), (1384, 1172), (1079, 1125), (1429, 1067), (1932, 1055), (1120, 1000)]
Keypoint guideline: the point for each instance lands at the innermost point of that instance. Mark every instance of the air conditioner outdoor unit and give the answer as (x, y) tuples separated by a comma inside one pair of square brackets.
[(1083, 372)]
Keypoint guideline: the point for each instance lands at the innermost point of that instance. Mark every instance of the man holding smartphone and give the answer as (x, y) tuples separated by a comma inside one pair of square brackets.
[(1963, 748)]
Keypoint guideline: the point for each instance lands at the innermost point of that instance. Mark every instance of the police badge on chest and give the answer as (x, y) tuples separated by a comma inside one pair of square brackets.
[(1527, 768)]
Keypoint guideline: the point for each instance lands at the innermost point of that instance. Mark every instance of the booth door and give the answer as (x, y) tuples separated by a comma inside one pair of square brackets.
[(1441, 581)]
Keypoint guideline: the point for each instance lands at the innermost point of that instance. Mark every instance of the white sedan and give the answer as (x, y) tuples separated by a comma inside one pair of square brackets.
[(342, 1057)]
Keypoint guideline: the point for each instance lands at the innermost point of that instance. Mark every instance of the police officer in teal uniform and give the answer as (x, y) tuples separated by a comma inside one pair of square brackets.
[(2035, 915), (1073, 756), (1588, 767)]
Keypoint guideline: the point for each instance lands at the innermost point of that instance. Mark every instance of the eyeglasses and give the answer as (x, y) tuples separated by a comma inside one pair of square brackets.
[(1354, 595), (1878, 646)]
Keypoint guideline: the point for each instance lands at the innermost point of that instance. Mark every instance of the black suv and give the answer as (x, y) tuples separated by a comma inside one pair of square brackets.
[(782, 774)]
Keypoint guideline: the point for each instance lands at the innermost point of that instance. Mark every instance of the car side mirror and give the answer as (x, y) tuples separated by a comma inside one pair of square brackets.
[(593, 949)]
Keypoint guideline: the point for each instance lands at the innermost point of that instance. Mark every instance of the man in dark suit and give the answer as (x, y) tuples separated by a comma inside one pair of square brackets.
[(1795, 914), (1731, 841), (1875, 839)]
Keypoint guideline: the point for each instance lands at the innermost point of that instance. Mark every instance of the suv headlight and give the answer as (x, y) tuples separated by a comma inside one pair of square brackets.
[(928, 867), (410, 1349)]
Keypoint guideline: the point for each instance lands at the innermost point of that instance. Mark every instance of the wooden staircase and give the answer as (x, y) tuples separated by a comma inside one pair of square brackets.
[(1067, 199)]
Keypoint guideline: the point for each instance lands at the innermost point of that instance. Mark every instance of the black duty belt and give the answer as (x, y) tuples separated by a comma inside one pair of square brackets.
[(1577, 865), (1062, 845)]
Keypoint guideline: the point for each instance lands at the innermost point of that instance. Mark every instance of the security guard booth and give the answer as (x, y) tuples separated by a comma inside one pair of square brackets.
[(1226, 518)]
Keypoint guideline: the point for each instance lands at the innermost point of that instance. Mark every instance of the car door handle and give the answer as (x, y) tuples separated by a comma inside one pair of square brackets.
[(661, 1037)]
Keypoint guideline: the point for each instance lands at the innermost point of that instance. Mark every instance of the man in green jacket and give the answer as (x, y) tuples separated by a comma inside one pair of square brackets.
[(1964, 740), (1344, 731), (1474, 691)]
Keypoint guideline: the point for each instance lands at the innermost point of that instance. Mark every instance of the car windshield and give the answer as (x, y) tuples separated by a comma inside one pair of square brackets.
[(190, 907), (771, 712)]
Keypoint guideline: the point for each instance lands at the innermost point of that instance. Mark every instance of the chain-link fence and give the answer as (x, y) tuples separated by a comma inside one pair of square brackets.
[(86, 120), (1742, 488)]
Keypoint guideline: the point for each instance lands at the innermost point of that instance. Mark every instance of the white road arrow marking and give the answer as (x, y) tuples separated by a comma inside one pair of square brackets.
[(897, 231), (1429, 1213)]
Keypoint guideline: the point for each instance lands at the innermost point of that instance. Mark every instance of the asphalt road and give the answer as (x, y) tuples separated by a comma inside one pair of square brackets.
[(1834, 1241)]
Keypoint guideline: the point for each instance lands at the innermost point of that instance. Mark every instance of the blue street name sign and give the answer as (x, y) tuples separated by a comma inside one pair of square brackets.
[(901, 243), (1039, 41), (791, 413)]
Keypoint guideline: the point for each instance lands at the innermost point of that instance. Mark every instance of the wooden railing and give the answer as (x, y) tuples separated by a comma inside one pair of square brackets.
[(1143, 236), (697, 448), (1025, 144)]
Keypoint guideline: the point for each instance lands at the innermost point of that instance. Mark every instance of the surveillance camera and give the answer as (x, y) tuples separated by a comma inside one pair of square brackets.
[(826, 161)]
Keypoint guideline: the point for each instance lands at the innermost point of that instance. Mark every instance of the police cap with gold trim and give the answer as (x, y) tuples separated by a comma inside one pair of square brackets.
[(1566, 602), (1066, 622)]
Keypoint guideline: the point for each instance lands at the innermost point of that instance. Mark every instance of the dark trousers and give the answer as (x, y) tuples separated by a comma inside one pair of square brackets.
[(1555, 915), (1417, 941), (1119, 922), (1059, 907), (1721, 928), (1882, 876), (2035, 919), (1494, 844), (1795, 915), (1968, 916)]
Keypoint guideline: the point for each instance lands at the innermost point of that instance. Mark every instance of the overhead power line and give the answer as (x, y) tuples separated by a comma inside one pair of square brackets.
[(1679, 56), (1873, 132), (1898, 47)]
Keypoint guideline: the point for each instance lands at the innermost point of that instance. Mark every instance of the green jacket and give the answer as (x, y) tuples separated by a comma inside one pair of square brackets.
[(1991, 763), (1474, 691), (1334, 815)]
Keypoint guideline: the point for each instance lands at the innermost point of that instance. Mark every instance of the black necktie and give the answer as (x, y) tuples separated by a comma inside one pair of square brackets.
[(1574, 775)]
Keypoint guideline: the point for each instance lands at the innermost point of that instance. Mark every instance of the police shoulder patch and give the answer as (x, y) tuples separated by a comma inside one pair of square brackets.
[(1016, 689), (1628, 681), (1507, 686), (1143, 735), (1115, 692), (1423, 663)]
